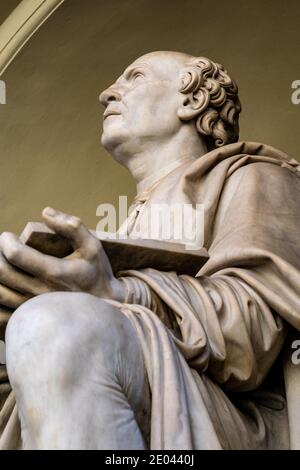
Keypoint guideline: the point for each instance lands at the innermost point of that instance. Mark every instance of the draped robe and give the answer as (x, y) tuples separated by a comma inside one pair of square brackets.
[(217, 347)]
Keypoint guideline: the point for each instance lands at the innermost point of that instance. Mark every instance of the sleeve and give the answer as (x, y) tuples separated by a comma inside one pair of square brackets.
[(244, 336), (226, 329)]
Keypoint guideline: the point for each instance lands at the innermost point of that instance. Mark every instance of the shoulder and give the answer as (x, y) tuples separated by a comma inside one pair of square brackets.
[(263, 173), (261, 188)]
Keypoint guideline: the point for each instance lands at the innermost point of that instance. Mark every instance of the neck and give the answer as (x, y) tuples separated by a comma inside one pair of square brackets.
[(158, 158)]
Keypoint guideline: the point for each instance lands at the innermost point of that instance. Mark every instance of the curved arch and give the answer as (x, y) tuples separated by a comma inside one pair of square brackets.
[(21, 25)]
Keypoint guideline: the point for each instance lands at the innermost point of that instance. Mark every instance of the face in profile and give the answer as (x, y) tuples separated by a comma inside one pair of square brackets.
[(141, 106)]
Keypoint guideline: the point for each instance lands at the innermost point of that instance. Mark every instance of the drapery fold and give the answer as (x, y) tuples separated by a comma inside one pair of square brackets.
[(210, 342)]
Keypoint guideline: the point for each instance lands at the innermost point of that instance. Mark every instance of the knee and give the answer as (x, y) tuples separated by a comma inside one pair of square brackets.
[(62, 328)]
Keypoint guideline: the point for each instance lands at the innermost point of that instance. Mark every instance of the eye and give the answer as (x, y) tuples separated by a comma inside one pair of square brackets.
[(137, 76)]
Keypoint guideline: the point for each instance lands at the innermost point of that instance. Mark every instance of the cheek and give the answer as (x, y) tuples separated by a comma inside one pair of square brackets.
[(158, 109), (158, 118), (142, 103), (145, 115)]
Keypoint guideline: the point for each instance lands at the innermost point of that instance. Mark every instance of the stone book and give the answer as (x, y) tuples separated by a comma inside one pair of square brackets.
[(122, 253)]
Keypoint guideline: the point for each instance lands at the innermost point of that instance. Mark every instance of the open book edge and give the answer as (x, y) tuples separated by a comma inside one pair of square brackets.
[(123, 253)]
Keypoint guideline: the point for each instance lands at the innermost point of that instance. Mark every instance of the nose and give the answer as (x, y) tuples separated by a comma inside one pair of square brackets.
[(109, 95)]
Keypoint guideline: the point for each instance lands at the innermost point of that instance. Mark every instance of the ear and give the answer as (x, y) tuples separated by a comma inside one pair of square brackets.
[(193, 104)]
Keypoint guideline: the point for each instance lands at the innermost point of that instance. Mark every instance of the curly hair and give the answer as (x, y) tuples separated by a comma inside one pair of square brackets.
[(218, 104)]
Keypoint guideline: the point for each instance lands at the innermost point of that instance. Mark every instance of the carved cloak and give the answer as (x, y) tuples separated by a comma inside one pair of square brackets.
[(210, 343), (234, 317)]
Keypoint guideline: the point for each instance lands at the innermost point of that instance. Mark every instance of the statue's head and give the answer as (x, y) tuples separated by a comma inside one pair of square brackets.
[(161, 92)]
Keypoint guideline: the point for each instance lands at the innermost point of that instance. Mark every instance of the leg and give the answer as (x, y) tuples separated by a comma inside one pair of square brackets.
[(77, 370)]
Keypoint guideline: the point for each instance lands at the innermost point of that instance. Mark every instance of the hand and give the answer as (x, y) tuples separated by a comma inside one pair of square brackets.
[(86, 270)]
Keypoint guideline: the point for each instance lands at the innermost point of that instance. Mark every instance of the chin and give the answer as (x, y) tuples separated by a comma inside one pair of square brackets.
[(109, 140), (112, 142)]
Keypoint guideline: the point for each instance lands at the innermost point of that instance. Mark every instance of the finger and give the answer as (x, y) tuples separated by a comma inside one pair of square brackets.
[(10, 298), (10, 276), (28, 259), (71, 227)]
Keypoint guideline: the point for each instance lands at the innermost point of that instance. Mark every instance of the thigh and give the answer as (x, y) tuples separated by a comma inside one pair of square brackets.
[(131, 374), (82, 346)]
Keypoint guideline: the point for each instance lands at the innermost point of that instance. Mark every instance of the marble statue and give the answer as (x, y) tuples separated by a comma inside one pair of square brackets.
[(154, 359)]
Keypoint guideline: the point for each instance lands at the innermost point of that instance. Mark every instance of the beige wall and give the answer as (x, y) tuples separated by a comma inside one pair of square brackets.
[(6, 7), (50, 126)]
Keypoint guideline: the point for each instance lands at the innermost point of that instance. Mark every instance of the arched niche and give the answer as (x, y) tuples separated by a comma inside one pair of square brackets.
[(21, 25)]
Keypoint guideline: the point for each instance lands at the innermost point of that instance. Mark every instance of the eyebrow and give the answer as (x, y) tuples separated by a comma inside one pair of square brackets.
[(129, 71)]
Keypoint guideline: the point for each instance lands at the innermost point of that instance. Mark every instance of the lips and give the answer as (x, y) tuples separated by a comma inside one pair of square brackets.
[(110, 112)]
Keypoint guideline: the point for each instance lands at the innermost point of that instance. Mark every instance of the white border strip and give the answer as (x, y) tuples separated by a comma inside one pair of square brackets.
[(20, 25)]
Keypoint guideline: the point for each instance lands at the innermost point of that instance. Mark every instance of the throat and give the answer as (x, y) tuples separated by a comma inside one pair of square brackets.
[(149, 182)]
